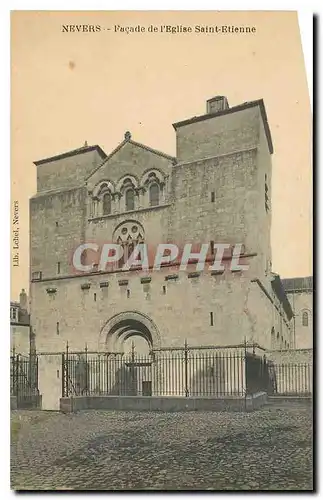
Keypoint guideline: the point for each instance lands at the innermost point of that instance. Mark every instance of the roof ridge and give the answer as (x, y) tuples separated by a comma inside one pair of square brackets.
[(153, 150), (72, 152), (115, 150), (134, 143), (233, 109), (298, 277), (298, 283), (56, 190)]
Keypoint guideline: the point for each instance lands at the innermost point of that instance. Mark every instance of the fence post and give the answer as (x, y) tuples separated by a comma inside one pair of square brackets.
[(186, 369), (86, 372), (36, 375), (245, 371), (17, 375), (133, 388), (63, 375), (66, 372)]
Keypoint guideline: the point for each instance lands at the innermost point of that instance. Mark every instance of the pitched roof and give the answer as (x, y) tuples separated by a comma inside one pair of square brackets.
[(84, 149), (152, 150), (278, 288), (139, 145), (298, 284), (240, 107)]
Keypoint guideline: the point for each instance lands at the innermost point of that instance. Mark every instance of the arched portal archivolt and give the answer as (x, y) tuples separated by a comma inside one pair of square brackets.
[(123, 325)]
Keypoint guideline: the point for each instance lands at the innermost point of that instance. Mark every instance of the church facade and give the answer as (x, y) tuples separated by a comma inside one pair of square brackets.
[(215, 190)]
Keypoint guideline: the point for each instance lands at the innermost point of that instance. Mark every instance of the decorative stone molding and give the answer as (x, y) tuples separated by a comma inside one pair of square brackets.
[(137, 191), (141, 189), (129, 231), (116, 196), (171, 277), (146, 279), (193, 275), (153, 175), (127, 181), (102, 186), (217, 272), (111, 341)]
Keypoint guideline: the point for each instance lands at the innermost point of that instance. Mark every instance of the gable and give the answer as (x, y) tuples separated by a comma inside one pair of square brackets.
[(129, 159)]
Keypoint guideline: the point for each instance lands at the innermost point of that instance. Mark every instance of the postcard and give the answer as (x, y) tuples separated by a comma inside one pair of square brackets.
[(161, 314)]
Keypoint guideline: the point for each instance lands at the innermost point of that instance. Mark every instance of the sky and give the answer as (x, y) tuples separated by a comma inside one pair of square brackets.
[(72, 87)]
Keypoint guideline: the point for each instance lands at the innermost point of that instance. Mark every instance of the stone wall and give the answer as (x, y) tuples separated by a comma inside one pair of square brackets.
[(68, 171), (50, 380), (180, 308), (166, 404), (302, 302), (57, 227), (285, 356), (218, 135)]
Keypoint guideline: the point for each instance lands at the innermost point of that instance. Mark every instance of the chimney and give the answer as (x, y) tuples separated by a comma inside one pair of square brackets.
[(23, 300), (216, 104)]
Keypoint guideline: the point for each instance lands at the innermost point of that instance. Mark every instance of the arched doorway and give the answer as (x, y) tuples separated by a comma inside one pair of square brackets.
[(115, 334), (128, 339)]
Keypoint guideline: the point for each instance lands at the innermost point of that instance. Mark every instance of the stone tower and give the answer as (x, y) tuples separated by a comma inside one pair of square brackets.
[(222, 180)]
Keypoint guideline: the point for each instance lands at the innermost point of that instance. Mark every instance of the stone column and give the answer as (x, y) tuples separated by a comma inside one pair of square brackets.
[(89, 205), (116, 197), (95, 200), (162, 193), (140, 192)]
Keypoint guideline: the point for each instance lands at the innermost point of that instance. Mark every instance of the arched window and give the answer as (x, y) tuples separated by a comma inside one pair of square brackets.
[(130, 199), (305, 318), (154, 195), (107, 204), (128, 234)]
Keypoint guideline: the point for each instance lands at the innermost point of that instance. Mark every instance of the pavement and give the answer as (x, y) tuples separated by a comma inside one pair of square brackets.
[(270, 449)]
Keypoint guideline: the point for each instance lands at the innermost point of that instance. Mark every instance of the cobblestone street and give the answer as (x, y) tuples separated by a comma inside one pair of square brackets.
[(99, 450)]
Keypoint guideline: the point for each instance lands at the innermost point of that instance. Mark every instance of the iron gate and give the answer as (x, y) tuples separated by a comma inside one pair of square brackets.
[(24, 380)]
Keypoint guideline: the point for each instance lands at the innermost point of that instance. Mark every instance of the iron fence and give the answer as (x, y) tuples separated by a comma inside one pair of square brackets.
[(173, 372), (187, 371), (24, 379), (294, 379)]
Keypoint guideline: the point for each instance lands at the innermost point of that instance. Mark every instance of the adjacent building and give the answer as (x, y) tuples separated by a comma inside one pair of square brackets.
[(20, 325), (300, 294)]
